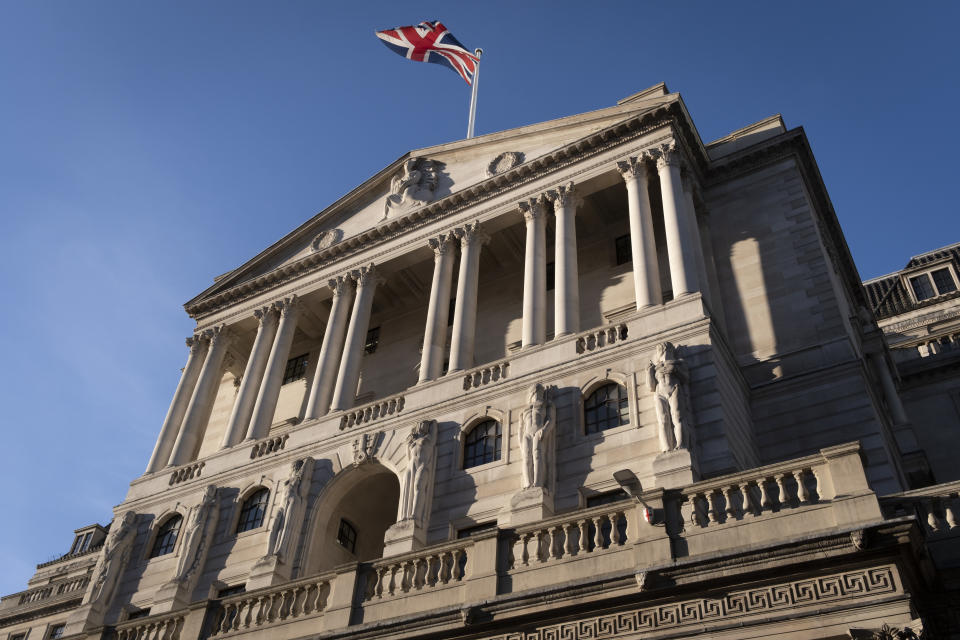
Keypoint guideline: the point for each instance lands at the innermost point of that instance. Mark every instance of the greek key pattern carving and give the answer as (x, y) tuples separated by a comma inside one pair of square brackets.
[(852, 584)]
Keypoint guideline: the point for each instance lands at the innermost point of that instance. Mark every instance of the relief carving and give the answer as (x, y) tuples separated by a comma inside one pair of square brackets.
[(668, 379), (290, 514), (418, 477), (536, 430), (326, 239), (414, 187), (504, 162), (116, 554), (197, 537)]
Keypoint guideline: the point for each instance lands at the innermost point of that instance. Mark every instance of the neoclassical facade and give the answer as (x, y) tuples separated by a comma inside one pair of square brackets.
[(588, 378)]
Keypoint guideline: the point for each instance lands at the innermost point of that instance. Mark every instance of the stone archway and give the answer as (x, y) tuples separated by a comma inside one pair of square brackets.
[(366, 497)]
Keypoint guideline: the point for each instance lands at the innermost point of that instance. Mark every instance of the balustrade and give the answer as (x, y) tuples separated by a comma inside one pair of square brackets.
[(301, 599), (602, 337), (185, 473), (167, 628), (485, 375), (427, 570), (380, 409), (269, 445), (584, 532), (937, 508)]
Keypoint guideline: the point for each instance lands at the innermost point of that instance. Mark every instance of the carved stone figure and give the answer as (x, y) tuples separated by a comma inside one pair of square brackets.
[(116, 553), (412, 188), (196, 538), (668, 379), (536, 427), (364, 447), (289, 516), (421, 447)]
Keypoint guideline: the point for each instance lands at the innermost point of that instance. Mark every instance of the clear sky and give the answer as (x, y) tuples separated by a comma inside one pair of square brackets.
[(147, 147)]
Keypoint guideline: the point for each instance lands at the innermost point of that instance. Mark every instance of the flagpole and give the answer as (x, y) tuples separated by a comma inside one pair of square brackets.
[(473, 95)]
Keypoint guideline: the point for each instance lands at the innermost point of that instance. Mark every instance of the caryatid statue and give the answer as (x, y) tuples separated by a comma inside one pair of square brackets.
[(418, 477), (289, 516), (536, 429), (115, 555), (198, 535), (668, 378)]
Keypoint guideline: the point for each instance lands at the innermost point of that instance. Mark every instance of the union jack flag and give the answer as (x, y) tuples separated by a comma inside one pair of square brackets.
[(431, 42)]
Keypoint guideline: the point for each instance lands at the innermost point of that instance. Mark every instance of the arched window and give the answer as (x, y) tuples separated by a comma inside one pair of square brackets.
[(166, 538), (253, 511), (606, 408), (482, 444)]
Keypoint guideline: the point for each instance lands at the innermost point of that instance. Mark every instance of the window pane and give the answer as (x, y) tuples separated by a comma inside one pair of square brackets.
[(347, 536), (296, 369), (944, 281), (482, 444), (253, 511), (922, 288), (606, 408), (166, 538), (56, 631)]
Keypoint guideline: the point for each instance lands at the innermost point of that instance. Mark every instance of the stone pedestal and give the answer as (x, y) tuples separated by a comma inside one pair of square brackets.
[(526, 506), (170, 597), (83, 617), (265, 573), (402, 537), (674, 469)]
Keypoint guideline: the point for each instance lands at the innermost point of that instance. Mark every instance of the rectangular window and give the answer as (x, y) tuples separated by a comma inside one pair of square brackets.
[(76, 545), (56, 631), (922, 287), (944, 281), (466, 532), (347, 536), (136, 614), (19, 636), (296, 369), (232, 591), (551, 276), (373, 339), (607, 498), (85, 545), (622, 245)]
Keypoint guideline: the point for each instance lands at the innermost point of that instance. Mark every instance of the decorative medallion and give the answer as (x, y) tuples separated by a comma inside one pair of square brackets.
[(504, 162), (326, 239)]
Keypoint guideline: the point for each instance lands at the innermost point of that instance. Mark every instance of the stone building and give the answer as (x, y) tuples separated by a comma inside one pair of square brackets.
[(587, 378)]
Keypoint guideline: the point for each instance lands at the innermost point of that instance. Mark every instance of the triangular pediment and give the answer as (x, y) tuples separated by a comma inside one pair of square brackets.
[(430, 174)]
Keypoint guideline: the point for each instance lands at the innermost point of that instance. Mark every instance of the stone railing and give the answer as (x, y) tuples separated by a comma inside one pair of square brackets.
[(47, 591), (270, 445), (77, 584), (416, 572), (153, 628), (485, 375), (185, 473), (36, 594), (589, 531), (599, 338), (371, 412), (937, 508), (301, 599), (71, 556), (771, 489)]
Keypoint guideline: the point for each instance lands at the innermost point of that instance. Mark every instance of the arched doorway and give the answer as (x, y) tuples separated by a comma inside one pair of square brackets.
[(351, 519)]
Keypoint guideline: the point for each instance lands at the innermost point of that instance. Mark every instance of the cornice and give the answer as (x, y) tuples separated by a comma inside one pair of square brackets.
[(671, 115)]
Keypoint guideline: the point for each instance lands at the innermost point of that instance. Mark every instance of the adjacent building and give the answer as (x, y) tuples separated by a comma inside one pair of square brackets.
[(589, 378)]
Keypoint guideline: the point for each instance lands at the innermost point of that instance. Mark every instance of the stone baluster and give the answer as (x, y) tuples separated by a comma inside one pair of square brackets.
[(784, 496), (432, 569), (266, 404), (242, 412), (534, 273), (345, 391), (643, 248), (457, 569), (597, 533), (681, 250), (729, 494), (331, 349), (712, 513), (566, 294), (201, 402), (568, 530), (950, 511), (615, 537), (932, 520), (462, 340), (178, 406), (803, 494), (765, 502), (435, 333), (584, 539)]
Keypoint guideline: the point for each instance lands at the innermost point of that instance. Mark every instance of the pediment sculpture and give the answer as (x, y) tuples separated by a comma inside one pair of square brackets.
[(504, 162), (414, 187), (326, 239)]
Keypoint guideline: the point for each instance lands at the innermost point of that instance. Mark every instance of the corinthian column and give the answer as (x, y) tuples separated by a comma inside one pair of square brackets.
[(465, 309), (252, 377), (201, 402), (680, 245), (534, 273), (643, 247), (178, 406), (266, 404), (566, 296), (434, 335), (332, 347), (346, 390)]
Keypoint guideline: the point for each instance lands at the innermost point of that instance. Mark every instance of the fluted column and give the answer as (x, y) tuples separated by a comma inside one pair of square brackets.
[(643, 246), (332, 347), (346, 389), (201, 402), (242, 412), (178, 406), (566, 293), (534, 273), (266, 404), (691, 217), (435, 333), (462, 340), (680, 246)]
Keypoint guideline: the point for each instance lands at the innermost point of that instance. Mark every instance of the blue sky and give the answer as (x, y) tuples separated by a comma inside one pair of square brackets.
[(147, 147)]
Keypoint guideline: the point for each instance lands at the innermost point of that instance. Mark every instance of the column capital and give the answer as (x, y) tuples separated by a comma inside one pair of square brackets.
[(367, 276), (288, 305), (264, 314), (533, 208), (195, 343), (442, 243), (471, 233), (339, 285), (635, 166), (668, 154), (218, 335), (565, 195)]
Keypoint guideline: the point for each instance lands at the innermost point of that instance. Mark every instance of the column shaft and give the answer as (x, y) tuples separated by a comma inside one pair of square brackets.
[(438, 311), (643, 246), (345, 391), (889, 389), (534, 273), (178, 406), (465, 310), (680, 248), (693, 225), (332, 348), (201, 402), (242, 412), (266, 404), (566, 294)]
